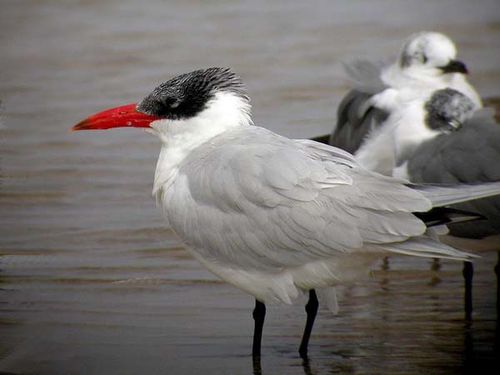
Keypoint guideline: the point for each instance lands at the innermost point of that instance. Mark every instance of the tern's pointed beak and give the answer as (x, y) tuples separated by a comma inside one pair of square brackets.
[(119, 117), (455, 66)]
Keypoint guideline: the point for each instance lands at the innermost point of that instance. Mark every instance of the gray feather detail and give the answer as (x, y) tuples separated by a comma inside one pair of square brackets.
[(326, 152), (366, 75), (304, 201), (427, 247), (441, 195), (356, 118), (328, 297)]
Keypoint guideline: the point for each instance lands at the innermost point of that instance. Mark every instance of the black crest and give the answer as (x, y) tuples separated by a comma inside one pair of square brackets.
[(188, 94), (447, 109)]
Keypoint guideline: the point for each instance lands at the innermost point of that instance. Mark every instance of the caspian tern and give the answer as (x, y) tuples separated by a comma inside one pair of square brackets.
[(273, 216), (427, 62)]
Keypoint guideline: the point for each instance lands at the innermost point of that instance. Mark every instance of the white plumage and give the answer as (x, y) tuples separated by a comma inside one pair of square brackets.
[(427, 62), (420, 63)]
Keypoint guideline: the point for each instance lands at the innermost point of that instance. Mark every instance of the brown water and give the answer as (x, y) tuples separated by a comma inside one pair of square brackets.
[(91, 280)]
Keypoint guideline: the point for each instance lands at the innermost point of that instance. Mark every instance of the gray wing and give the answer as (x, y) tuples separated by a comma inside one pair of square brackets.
[(356, 118), (366, 75), (265, 201), (469, 155)]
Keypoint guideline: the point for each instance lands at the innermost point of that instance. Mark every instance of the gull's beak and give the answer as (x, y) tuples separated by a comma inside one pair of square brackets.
[(125, 116), (454, 125), (454, 66)]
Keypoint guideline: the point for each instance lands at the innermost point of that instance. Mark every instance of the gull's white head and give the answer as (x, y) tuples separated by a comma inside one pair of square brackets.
[(431, 54), (202, 103)]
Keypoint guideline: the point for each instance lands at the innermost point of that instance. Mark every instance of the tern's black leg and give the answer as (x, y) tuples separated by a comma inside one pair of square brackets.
[(311, 309), (259, 313), (468, 272), (257, 368)]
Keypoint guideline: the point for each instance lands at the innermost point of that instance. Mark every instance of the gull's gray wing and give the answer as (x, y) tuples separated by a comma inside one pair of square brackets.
[(267, 202), (469, 155), (356, 118), (366, 75)]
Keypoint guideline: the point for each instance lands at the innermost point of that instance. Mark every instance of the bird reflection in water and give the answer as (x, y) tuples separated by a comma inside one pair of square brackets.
[(306, 366)]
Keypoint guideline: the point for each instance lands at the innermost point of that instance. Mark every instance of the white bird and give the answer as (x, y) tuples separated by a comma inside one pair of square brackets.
[(411, 118), (452, 143), (441, 138), (427, 62), (272, 216)]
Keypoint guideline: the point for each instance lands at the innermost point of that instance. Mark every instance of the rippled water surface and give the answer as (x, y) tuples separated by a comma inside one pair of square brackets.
[(91, 280)]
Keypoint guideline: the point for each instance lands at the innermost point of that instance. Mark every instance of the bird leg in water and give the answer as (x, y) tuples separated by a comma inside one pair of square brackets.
[(497, 272), (468, 273), (259, 313), (311, 310)]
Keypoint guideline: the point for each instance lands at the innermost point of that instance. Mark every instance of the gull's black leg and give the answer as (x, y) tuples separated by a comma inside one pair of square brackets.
[(497, 273), (259, 313), (468, 272), (311, 309)]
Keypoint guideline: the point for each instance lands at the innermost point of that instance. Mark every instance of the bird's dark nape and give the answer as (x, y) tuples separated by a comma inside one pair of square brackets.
[(186, 95)]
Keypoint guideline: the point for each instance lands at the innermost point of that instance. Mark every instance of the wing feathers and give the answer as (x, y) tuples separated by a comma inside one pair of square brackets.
[(302, 201)]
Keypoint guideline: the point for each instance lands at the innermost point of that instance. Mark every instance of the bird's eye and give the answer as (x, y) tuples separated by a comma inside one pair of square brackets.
[(170, 102)]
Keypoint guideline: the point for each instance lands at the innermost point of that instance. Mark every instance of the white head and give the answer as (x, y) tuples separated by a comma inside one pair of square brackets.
[(431, 54)]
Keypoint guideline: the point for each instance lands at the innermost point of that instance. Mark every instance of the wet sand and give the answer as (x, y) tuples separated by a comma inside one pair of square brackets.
[(92, 282)]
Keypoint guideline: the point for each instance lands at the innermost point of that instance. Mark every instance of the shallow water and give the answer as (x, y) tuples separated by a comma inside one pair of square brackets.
[(91, 280)]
